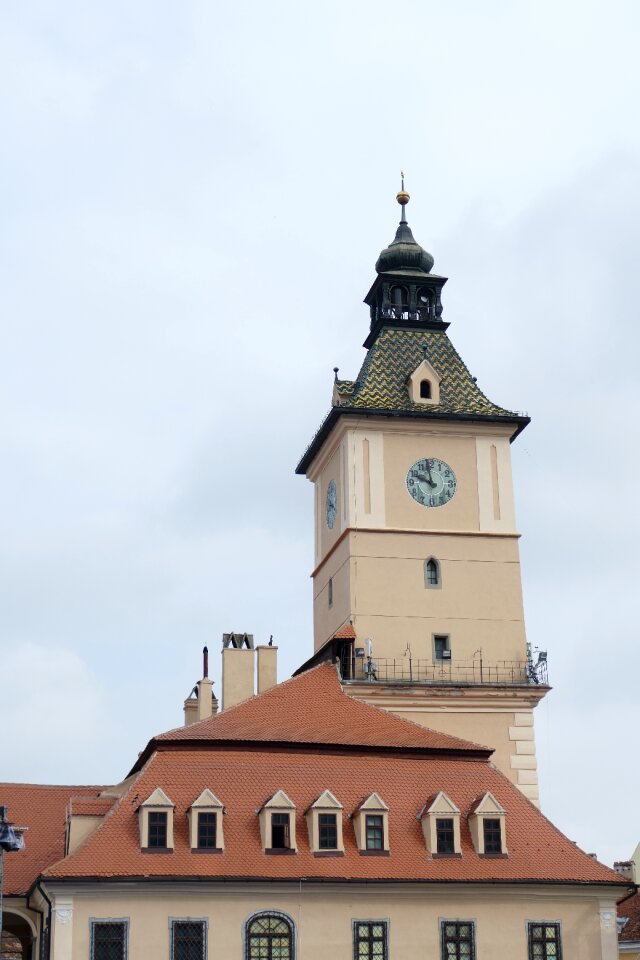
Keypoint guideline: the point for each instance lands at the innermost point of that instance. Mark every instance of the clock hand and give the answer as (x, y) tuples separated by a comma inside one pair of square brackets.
[(428, 479)]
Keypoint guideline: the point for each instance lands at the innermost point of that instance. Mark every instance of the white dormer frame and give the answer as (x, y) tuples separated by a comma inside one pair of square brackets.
[(373, 805), (441, 808), (156, 802), (207, 802), (279, 803), (326, 803), (487, 808), (424, 371)]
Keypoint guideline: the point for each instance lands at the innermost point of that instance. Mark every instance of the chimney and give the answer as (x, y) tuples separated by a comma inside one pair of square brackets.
[(624, 868), (267, 666), (201, 702), (238, 667)]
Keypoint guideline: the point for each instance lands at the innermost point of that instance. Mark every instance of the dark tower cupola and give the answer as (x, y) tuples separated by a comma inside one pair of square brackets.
[(405, 292)]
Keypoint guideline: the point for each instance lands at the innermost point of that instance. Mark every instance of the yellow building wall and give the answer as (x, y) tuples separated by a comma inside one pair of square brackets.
[(323, 917)]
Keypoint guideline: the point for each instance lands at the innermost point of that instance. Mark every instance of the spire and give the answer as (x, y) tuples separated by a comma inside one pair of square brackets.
[(404, 253)]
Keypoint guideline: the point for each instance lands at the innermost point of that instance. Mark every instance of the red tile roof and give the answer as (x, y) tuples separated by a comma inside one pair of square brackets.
[(245, 779), (80, 806), (312, 708), (43, 810), (631, 910), (345, 632)]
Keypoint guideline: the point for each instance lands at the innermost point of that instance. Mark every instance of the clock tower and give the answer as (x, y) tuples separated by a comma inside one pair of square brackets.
[(416, 581)]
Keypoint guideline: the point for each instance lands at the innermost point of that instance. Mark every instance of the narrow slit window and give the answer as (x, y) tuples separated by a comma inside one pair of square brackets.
[(432, 573), (330, 591), (157, 829), (492, 835), (280, 831), (425, 390)]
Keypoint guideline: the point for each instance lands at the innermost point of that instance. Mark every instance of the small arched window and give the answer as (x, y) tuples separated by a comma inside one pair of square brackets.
[(425, 390), (431, 572), (269, 936)]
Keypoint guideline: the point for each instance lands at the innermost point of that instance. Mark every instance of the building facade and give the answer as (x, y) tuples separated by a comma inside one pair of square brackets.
[(416, 543), (381, 804)]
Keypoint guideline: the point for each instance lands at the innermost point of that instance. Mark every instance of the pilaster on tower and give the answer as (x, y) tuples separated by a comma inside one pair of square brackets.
[(416, 545)]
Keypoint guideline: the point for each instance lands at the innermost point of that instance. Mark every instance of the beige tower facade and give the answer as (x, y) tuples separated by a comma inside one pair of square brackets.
[(416, 580)]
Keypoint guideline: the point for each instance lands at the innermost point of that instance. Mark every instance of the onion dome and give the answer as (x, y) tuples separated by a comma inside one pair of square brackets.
[(403, 253)]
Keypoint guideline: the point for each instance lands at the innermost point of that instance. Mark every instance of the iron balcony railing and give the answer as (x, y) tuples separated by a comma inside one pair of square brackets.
[(402, 311), (476, 672)]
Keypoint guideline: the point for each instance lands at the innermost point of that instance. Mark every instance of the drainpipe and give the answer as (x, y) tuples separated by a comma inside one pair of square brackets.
[(46, 936)]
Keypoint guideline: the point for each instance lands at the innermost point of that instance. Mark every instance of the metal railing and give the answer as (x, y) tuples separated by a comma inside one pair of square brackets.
[(402, 311), (476, 672)]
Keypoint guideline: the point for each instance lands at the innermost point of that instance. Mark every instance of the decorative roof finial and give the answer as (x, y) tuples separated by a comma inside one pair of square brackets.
[(402, 197)]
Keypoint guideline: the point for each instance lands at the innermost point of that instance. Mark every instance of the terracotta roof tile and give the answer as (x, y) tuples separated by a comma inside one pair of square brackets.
[(80, 806), (345, 632), (245, 779), (631, 910), (43, 810), (313, 708)]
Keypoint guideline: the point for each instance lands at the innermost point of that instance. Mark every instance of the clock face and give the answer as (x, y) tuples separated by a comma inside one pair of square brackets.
[(431, 482), (332, 504)]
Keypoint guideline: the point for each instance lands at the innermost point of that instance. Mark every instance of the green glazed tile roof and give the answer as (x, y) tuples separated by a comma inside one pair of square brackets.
[(396, 353), (381, 387)]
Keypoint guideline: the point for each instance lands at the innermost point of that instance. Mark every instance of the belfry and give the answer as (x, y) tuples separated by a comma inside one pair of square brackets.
[(416, 581)]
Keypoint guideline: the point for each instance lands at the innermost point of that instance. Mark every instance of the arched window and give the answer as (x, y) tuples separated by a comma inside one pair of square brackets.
[(431, 572), (269, 937), (425, 390), (398, 296)]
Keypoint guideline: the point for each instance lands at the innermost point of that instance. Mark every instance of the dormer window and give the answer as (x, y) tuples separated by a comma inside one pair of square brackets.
[(280, 831), (492, 835), (424, 384), (487, 823), (374, 831), (205, 823), (324, 823), (278, 824), (441, 826), (157, 829), (371, 825), (155, 816)]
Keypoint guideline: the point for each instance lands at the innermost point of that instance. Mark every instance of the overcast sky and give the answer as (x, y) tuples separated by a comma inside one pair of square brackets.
[(193, 199)]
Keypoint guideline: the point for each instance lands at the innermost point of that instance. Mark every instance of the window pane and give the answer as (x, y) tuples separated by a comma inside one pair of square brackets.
[(280, 831), (492, 835), (157, 829), (207, 823), (544, 941), (370, 941), (269, 938), (188, 939), (374, 832), (444, 835), (109, 941), (328, 831), (458, 940)]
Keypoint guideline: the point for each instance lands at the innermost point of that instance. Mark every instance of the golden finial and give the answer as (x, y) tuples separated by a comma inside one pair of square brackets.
[(402, 197)]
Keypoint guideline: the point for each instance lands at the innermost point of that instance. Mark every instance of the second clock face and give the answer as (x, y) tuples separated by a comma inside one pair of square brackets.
[(332, 504), (431, 482)]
